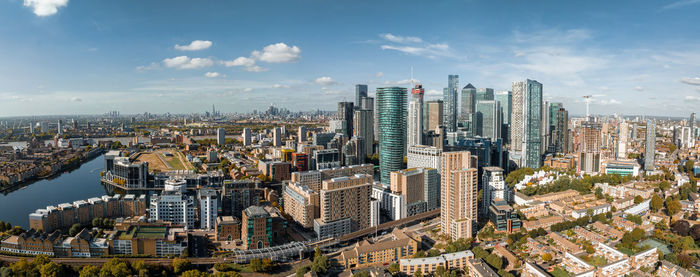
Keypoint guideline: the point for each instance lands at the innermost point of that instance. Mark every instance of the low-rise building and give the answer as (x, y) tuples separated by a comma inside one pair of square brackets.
[(366, 253), (428, 265), (228, 228)]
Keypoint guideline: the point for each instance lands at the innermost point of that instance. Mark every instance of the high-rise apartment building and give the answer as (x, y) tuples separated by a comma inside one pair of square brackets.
[(344, 205), (424, 156), (561, 131), (622, 139), (301, 134), (360, 93), (526, 125), (458, 203), (345, 115), (364, 128), (208, 209), (494, 187), (433, 115), (505, 99), (220, 136), (589, 146), (172, 205), (391, 117), (488, 119), (650, 146), (301, 203), (415, 117), (277, 137), (691, 124), (246, 137), (410, 184), (450, 103)]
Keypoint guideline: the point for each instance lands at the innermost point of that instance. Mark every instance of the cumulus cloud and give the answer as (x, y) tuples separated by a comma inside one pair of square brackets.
[(185, 62), (278, 53), (691, 81), (45, 7), (212, 74), (400, 39), (194, 45), (325, 81), (379, 74), (280, 86), (240, 61)]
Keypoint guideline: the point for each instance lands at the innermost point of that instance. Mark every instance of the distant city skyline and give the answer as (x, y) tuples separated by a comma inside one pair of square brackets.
[(88, 57)]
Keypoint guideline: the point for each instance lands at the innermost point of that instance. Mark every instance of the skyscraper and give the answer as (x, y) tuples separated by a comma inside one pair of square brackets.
[(364, 128), (468, 103), (505, 99), (650, 146), (220, 136), (494, 187), (415, 117), (345, 113), (301, 134), (488, 119), (367, 103), (483, 94), (561, 130), (450, 103), (246, 137), (526, 117), (589, 146), (277, 136), (622, 138), (360, 92), (433, 115), (691, 124), (458, 203), (391, 118)]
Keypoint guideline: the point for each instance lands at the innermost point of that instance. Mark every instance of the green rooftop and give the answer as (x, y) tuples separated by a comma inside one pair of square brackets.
[(144, 232)]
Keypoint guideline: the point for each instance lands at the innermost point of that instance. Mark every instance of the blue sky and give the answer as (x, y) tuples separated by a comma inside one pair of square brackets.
[(92, 56)]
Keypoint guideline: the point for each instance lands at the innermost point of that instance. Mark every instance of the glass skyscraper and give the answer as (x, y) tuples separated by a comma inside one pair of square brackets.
[(391, 121), (467, 109), (450, 103), (360, 92), (488, 115), (526, 126)]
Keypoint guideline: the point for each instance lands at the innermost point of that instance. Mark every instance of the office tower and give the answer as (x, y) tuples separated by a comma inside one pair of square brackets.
[(526, 117), (367, 103), (622, 139), (327, 158), (494, 187), (360, 92), (344, 205), (207, 208), (552, 110), (364, 128), (488, 119), (75, 123), (450, 103), (277, 137), (345, 114), (60, 127), (691, 124), (505, 99), (301, 134), (220, 136), (391, 118), (458, 194), (246, 137), (482, 94), (589, 146), (561, 130), (354, 152), (172, 205), (415, 117), (650, 146), (433, 115), (424, 156), (468, 103)]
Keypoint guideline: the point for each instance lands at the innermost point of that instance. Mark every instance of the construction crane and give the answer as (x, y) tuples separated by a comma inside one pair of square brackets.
[(587, 99)]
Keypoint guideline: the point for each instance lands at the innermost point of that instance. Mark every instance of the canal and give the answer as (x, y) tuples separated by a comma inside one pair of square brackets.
[(80, 184)]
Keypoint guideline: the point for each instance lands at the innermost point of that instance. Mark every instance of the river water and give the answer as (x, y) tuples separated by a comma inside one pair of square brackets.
[(80, 184)]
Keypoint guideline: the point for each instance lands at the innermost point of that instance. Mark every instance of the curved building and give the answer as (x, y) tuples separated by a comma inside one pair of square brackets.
[(391, 120)]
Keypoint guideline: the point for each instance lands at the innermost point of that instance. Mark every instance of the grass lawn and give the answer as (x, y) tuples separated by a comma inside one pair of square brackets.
[(596, 260), (560, 272)]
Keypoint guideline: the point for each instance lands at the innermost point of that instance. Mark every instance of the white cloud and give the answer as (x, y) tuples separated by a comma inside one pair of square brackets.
[(240, 61), (401, 82), (194, 45), (379, 74), (280, 86), (45, 7), (434, 92), (278, 53), (256, 69), (76, 99), (692, 98), (248, 89), (692, 81), (212, 74), (681, 3), (400, 39), (610, 102), (185, 62), (325, 81), (638, 88), (147, 67)]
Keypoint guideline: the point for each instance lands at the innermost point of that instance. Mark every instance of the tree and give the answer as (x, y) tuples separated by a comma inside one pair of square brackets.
[(685, 260), (97, 222), (638, 199), (195, 273), (672, 206), (434, 253), (394, 268), (363, 273), (89, 271), (139, 265), (680, 227), (695, 232), (116, 267), (256, 265), (419, 254), (51, 269), (182, 265), (303, 270), (546, 257), (75, 229), (494, 260), (418, 273), (656, 203)]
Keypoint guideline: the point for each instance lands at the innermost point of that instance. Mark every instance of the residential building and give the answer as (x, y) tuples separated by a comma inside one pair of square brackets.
[(247, 137), (428, 265), (391, 116), (366, 253), (503, 217), (220, 136), (526, 122), (458, 205), (172, 205), (344, 205), (208, 208), (261, 227), (415, 117), (345, 115), (650, 146), (228, 228), (434, 114), (301, 203), (494, 187)]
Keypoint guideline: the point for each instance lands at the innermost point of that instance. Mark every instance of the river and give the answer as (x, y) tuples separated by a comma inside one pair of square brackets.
[(80, 184)]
